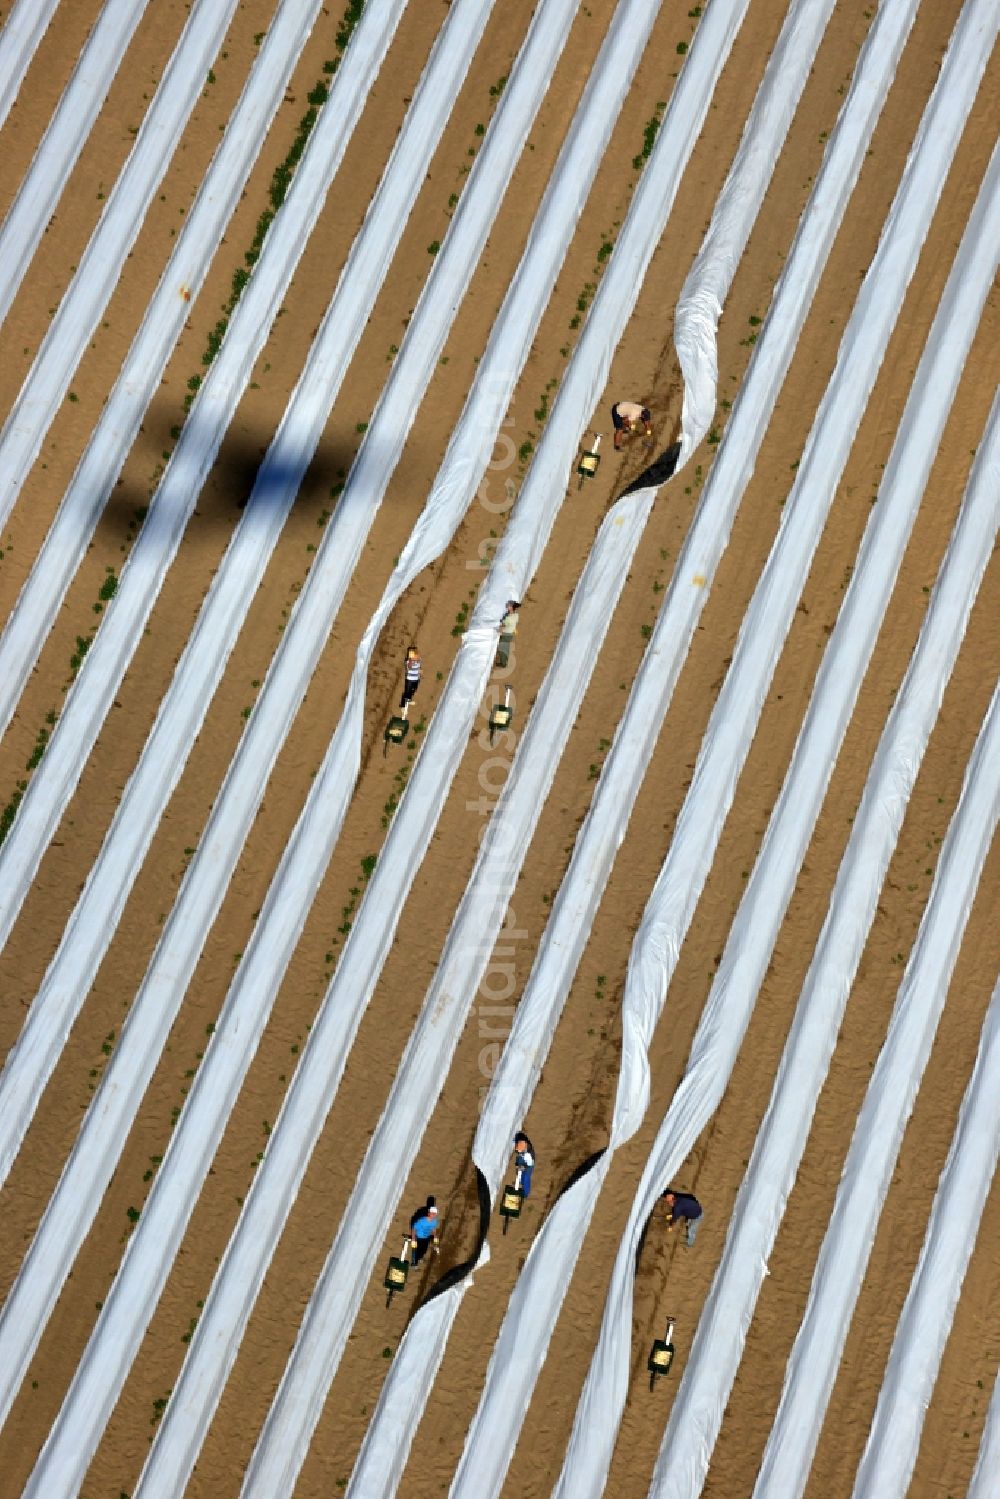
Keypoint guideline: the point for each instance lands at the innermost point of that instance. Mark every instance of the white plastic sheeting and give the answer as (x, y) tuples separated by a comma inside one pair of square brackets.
[(925, 1322), (379, 1469), (30, 1062), (878, 1132), (540, 498), (327, 1321), (534, 1306), (710, 277), (168, 309), (122, 623), (22, 31), (257, 979), (209, 1359), (90, 290), (726, 743), (405, 1390), (97, 912), (718, 1344), (286, 1181), (432, 1043), (296, 440), (984, 1477), (182, 711), (63, 141)]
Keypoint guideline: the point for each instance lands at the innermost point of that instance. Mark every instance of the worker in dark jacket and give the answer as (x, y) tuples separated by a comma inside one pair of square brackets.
[(524, 1161), (682, 1207)]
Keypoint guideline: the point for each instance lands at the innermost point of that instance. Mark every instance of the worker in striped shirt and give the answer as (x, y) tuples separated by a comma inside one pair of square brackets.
[(411, 675)]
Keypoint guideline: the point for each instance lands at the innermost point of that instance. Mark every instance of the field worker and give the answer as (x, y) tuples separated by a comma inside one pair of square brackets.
[(423, 1230), (511, 615), (524, 1160), (508, 629), (411, 675), (624, 415), (682, 1207)]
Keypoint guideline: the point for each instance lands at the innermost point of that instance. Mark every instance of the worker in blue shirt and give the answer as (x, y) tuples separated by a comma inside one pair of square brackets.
[(682, 1207), (423, 1230)]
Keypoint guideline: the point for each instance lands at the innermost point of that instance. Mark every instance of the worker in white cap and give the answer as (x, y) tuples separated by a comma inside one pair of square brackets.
[(423, 1230)]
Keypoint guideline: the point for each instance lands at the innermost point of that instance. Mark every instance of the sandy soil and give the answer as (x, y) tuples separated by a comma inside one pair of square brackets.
[(569, 1115)]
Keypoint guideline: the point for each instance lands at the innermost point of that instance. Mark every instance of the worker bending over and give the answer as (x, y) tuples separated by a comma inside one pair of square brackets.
[(625, 415), (682, 1207)]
